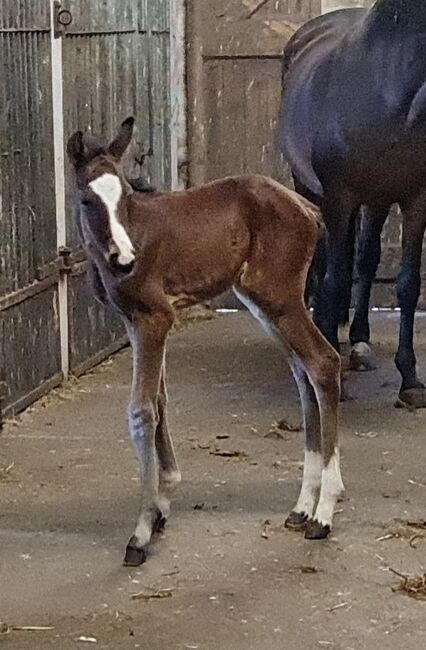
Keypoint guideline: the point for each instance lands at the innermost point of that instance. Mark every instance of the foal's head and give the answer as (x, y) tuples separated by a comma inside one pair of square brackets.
[(102, 192)]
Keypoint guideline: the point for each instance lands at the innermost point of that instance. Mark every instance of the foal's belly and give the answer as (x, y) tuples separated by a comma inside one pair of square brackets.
[(206, 269), (195, 288)]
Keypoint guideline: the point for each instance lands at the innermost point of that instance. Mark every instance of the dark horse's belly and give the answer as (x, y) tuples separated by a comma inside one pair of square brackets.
[(346, 103), (377, 167)]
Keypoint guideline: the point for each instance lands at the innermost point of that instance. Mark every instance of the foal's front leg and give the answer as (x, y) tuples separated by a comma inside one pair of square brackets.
[(169, 474), (148, 335)]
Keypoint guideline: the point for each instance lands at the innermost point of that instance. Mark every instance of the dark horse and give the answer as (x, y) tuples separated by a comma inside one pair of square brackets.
[(353, 128)]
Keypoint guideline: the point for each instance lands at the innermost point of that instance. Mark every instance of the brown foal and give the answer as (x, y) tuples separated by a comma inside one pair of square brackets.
[(150, 253)]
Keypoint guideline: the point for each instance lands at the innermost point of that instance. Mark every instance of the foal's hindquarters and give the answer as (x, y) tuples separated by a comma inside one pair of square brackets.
[(266, 264)]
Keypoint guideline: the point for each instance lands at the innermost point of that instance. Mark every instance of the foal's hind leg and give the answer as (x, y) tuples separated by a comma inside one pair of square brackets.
[(169, 474), (312, 469), (148, 335), (322, 366)]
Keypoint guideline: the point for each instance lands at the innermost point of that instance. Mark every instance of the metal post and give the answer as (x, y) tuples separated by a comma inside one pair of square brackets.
[(177, 92), (58, 144)]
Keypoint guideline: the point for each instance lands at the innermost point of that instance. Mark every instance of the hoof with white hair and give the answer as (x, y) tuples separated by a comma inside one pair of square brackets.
[(315, 530), (296, 521)]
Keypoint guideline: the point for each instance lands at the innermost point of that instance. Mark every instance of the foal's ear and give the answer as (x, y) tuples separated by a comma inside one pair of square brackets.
[(119, 145), (76, 150)]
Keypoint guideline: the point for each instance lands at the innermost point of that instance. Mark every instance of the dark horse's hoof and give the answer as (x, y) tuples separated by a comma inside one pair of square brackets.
[(296, 521), (137, 555), (315, 530), (412, 398), (361, 358), (134, 556)]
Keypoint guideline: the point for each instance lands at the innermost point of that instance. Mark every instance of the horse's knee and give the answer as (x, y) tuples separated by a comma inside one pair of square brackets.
[(143, 419)]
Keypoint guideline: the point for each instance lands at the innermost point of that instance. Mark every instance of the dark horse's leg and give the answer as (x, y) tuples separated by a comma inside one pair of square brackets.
[(368, 260), (412, 390), (338, 209)]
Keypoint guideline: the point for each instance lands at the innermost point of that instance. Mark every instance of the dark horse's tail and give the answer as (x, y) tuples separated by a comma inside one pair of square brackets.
[(319, 267), (319, 263)]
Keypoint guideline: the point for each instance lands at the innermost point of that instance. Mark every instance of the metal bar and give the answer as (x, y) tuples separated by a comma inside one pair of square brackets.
[(196, 108), (217, 57), (80, 368), (31, 290), (64, 263), (22, 402), (257, 8), (59, 153), (79, 269), (24, 30), (100, 32), (177, 91)]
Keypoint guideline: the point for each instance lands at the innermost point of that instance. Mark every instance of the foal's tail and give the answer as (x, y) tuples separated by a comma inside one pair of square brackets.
[(319, 263), (346, 298)]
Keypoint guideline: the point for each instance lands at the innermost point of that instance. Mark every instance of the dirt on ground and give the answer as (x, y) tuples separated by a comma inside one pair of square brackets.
[(225, 575)]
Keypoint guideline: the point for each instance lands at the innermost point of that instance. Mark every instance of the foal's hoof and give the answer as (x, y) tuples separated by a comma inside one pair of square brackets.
[(296, 521), (412, 398), (361, 358), (160, 522), (315, 530), (134, 556)]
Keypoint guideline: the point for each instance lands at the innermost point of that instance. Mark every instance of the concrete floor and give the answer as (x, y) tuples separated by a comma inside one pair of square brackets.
[(69, 500)]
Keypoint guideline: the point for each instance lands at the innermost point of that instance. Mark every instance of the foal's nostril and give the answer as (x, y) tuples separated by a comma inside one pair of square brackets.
[(113, 258), (127, 268)]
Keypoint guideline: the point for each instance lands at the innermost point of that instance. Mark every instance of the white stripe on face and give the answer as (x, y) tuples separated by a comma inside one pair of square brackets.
[(108, 188)]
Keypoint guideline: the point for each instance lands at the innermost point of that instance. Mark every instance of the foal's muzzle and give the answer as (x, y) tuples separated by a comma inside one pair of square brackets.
[(113, 258)]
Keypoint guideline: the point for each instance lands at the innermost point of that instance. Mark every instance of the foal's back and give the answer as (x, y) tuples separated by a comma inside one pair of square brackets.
[(196, 242)]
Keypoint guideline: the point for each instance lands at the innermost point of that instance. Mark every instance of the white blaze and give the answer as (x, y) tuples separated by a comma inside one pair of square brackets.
[(108, 188)]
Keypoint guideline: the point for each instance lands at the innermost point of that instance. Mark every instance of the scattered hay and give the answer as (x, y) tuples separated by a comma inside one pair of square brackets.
[(5, 628), (5, 471), (282, 425), (274, 433), (152, 594), (413, 586), (310, 570), (228, 453), (268, 528), (405, 530)]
